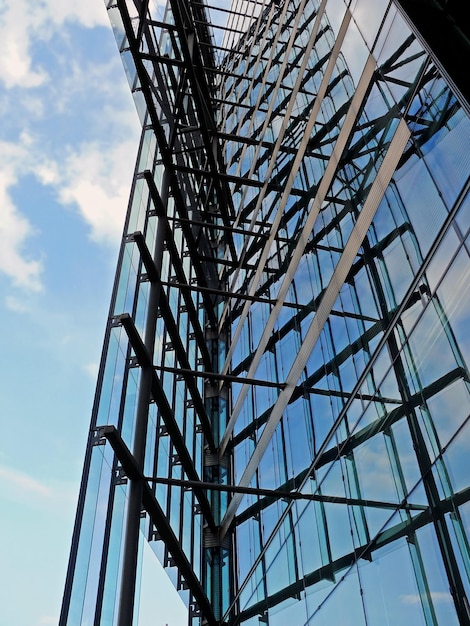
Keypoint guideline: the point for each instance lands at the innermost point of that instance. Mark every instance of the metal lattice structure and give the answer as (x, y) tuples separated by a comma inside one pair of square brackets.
[(283, 401)]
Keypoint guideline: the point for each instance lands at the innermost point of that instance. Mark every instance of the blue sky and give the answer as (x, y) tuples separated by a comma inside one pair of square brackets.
[(68, 139)]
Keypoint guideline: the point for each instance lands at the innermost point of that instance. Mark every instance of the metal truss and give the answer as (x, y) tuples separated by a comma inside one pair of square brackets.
[(229, 211)]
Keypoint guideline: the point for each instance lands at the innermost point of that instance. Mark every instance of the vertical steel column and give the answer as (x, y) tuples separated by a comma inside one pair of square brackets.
[(218, 553), (134, 507)]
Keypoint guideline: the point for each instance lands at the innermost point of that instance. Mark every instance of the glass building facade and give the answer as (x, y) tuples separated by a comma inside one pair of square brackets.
[(282, 409)]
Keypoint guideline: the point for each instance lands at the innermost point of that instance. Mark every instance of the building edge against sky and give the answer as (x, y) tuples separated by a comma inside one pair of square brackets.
[(282, 409)]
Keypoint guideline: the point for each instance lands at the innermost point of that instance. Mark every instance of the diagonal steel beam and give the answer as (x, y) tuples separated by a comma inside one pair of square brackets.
[(342, 269), (167, 413), (159, 519), (304, 236)]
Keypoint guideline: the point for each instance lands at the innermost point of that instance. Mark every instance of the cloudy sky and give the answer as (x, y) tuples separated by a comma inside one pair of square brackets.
[(68, 140)]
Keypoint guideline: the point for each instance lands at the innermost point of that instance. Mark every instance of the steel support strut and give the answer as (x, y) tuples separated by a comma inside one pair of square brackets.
[(134, 507)]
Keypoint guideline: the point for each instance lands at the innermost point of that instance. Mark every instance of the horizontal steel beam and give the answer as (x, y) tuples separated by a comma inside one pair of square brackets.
[(277, 494), (220, 377)]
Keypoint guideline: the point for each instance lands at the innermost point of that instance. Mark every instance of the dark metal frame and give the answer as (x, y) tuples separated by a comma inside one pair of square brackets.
[(191, 150)]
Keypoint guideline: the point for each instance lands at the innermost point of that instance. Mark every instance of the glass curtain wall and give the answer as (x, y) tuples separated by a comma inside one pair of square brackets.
[(283, 404)]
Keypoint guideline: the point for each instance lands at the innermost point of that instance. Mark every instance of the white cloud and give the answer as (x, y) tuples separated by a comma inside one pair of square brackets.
[(88, 13), (23, 23), (16, 32), (47, 173), (16, 304), (33, 491), (97, 180), (15, 229), (91, 369), (94, 177), (25, 484)]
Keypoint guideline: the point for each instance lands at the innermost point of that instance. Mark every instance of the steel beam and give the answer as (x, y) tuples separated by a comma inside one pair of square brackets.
[(167, 413), (159, 519), (353, 244), (328, 573)]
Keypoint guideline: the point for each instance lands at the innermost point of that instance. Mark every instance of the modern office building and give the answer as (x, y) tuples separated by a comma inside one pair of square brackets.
[(282, 409)]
